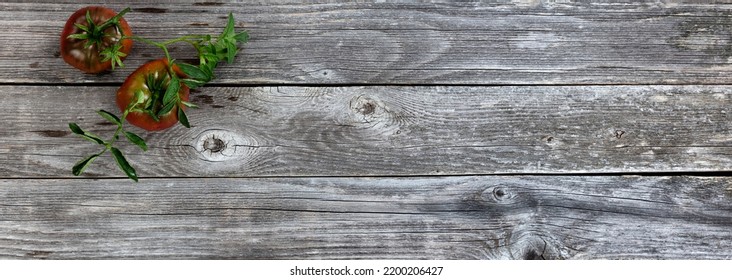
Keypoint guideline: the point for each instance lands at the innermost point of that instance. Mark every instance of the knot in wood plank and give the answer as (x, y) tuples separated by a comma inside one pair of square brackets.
[(534, 247), (218, 145), (499, 194), (370, 112)]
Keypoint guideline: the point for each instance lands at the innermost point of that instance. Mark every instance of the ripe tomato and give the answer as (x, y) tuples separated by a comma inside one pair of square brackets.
[(84, 54), (152, 80)]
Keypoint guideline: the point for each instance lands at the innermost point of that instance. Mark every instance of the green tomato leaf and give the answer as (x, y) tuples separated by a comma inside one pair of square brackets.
[(110, 117), (76, 129), (123, 164), (189, 104), (88, 136), (83, 164), (166, 108), (182, 118), (211, 58), (242, 37), (137, 140), (192, 72), (171, 93), (193, 83), (207, 69), (230, 53), (229, 29)]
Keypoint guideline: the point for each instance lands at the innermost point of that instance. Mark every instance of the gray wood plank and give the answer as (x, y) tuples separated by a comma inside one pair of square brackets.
[(359, 131), (484, 217), (520, 42)]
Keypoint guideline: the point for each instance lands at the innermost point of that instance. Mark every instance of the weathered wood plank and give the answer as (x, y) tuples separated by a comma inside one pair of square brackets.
[(357, 131), (524, 42), (485, 217)]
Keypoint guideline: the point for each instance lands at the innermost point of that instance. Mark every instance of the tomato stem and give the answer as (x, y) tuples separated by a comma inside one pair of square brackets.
[(194, 40), (113, 20)]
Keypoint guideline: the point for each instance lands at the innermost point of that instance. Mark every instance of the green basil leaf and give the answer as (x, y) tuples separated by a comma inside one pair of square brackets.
[(192, 71), (171, 93), (109, 116), (166, 108), (137, 140), (182, 118), (242, 37), (82, 164), (189, 104), (193, 83), (88, 136), (123, 164)]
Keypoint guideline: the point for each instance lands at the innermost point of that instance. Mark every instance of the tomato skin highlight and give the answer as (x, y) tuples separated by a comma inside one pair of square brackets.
[(89, 59), (138, 81)]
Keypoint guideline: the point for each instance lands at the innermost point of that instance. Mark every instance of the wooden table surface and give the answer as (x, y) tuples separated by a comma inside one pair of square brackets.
[(519, 130)]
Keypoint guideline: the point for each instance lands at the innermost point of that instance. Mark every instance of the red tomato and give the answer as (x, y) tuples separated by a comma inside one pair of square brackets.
[(83, 56), (152, 80)]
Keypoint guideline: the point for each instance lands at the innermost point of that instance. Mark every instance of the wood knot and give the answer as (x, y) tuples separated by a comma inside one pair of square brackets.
[(550, 140), (367, 108), (364, 105), (217, 145), (526, 244), (498, 194), (214, 145)]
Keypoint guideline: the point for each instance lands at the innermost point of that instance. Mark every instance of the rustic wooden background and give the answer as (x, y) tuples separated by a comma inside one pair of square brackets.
[(519, 130)]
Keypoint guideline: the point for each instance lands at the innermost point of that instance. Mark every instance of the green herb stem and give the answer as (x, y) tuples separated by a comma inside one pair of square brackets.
[(120, 128)]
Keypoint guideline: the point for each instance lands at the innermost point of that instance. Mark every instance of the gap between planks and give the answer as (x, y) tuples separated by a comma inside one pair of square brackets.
[(700, 174)]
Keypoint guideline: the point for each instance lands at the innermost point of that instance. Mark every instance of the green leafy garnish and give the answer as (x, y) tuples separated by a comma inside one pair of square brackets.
[(164, 96), (81, 165), (109, 116), (137, 140), (182, 118), (123, 164)]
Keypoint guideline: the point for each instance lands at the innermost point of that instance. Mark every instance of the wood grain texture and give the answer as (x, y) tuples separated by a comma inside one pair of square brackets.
[(359, 131), (519, 42), (485, 217)]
